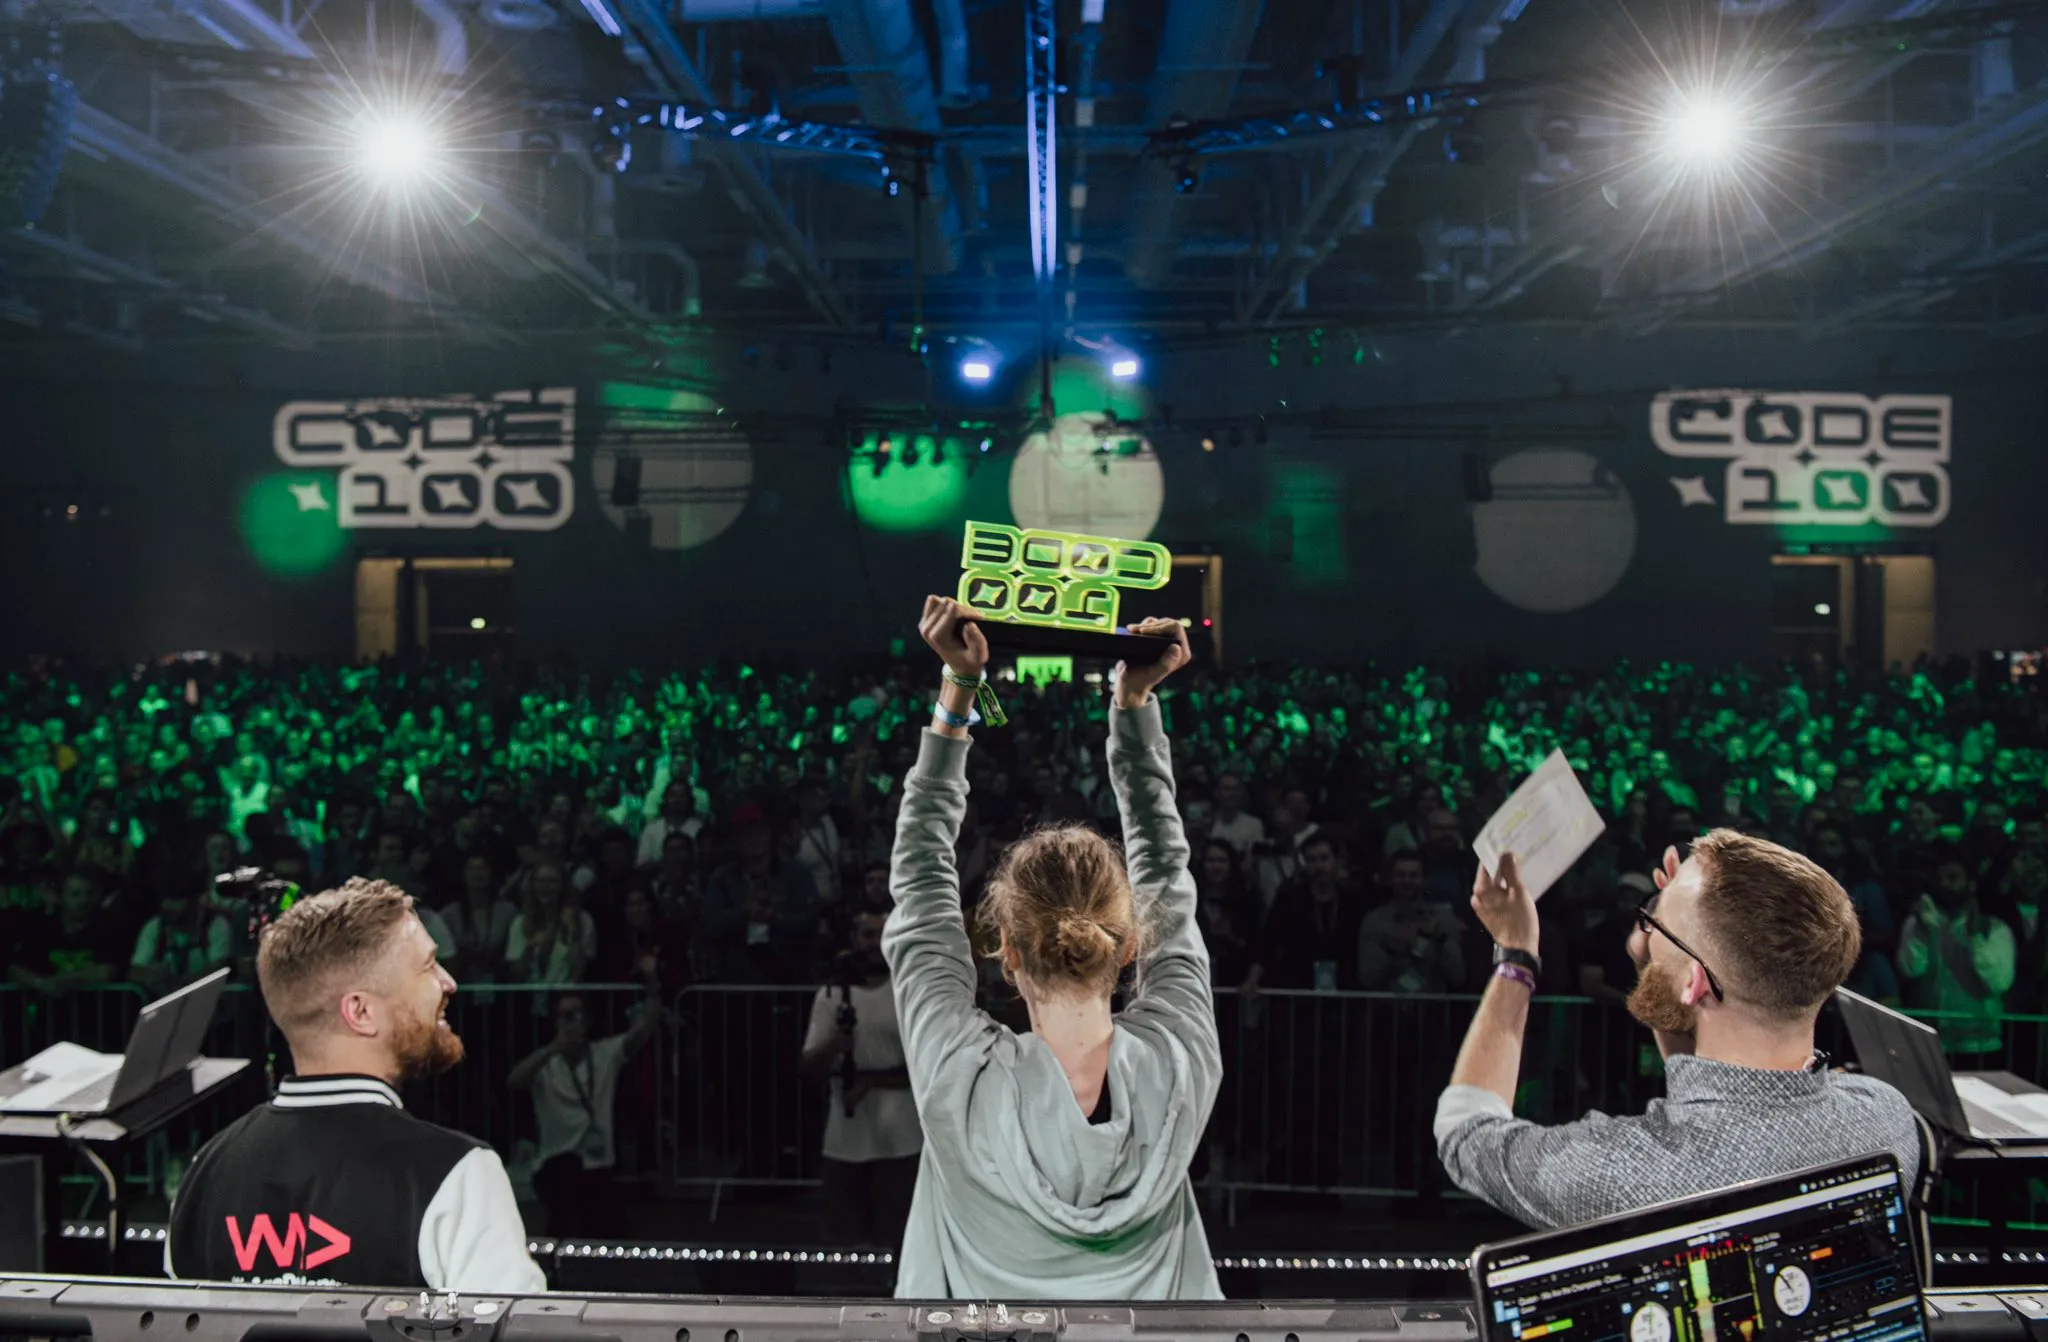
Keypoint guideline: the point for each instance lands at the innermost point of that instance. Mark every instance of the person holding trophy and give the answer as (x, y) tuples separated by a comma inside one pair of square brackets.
[(1055, 1163)]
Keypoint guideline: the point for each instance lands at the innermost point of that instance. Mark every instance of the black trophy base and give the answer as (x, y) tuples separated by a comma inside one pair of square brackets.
[(1008, 640)]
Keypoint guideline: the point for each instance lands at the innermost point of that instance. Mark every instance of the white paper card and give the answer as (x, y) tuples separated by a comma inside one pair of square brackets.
[(1546, 824)]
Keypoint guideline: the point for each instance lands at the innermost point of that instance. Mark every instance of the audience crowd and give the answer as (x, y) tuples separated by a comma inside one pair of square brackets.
[(730, 825)]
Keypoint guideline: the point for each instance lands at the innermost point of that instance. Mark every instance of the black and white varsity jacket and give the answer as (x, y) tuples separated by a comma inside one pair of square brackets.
[(332, 1181)]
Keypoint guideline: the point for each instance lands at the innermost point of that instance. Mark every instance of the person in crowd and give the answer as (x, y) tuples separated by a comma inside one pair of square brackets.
[(74, 947), (552, 940), (1875, 976), (333, 1180), (1056, 1162), (1278, 860), (818, 847), (1310, 938), (1409, 943), (678, 816), (872, 1137), (645, 936), (760, 911), (183, 941), (1736, 954), (574, 1081), (1228, 914), (480, 923), (1956, 959), (1231, 822), (674, 882)]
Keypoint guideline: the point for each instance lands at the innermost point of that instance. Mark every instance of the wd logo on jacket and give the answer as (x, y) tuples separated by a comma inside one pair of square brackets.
[(333, 1182)]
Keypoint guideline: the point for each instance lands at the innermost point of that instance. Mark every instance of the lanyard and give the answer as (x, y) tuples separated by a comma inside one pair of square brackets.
[(583, 1092)]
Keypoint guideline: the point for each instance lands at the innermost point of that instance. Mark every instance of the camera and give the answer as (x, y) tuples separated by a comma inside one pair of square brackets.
[(267, 894)]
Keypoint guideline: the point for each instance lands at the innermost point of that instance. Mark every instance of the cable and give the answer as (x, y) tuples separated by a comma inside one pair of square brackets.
[(65, 1124)]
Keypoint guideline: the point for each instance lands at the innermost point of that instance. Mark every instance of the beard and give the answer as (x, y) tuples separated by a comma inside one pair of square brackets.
[(1655, 1002), (425, 1046)]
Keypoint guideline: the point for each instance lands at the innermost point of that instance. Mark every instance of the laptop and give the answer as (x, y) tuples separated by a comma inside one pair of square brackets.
[(70, 1080), (1993, 1107), (1825, 1253)]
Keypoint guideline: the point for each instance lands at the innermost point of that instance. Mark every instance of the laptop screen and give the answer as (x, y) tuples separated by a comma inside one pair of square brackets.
[(1822, 1254)]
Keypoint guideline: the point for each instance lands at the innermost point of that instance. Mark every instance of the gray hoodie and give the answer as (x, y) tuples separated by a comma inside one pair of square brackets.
[(1018, 1197)]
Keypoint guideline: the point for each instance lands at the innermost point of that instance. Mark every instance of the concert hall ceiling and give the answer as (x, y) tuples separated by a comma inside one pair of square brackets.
[(289, 172)]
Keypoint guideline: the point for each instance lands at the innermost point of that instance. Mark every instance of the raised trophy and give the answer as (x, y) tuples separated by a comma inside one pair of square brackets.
[(1058, 592)]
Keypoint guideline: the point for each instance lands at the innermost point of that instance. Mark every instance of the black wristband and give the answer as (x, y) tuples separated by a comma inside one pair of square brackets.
[(1505, 955)]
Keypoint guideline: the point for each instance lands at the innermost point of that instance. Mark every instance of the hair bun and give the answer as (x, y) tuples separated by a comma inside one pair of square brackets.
[(1079, 946)]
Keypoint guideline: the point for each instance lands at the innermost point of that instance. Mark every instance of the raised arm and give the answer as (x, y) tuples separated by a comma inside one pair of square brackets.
[(925, 942), (1175, 976)]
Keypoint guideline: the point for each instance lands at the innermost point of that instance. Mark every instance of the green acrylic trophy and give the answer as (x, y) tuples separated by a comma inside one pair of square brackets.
[(1059, 592)]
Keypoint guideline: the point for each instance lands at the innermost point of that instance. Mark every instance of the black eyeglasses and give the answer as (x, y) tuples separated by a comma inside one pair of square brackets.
[(1647, 921)]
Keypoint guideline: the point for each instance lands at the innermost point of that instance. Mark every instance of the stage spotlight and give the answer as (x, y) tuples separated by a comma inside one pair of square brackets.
[(1124, 368), (976, 368), (1706, 130), (397, 148)]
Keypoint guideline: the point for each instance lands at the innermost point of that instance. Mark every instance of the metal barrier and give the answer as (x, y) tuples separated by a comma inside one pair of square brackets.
[(499, 1025), (1322, 1092), (744, 1115)]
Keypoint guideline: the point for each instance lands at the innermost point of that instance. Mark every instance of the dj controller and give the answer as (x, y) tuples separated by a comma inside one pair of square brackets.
[(134, 1310)]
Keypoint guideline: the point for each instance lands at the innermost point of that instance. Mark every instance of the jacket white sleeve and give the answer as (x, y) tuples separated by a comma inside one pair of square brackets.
[(471, 1239)]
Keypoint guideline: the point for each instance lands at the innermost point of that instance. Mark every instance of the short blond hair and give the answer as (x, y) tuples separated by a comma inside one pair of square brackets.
[(306, 957), (1785, 933)]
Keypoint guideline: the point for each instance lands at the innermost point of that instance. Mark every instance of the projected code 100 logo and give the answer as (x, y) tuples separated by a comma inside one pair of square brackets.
[(445, 461), (1815, 458), (1055, 578)]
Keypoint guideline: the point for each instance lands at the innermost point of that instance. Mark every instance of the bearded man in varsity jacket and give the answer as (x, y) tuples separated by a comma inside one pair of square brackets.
[(332, 1181)]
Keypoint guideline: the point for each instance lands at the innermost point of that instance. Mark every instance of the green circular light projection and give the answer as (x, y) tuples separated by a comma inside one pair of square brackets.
[(919, 484), (290, 524)]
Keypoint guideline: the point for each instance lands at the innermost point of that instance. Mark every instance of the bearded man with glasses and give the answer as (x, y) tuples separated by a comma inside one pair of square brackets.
[(1747, 1095)]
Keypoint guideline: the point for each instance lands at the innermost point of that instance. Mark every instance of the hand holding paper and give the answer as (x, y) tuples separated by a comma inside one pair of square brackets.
[(1547, 824)]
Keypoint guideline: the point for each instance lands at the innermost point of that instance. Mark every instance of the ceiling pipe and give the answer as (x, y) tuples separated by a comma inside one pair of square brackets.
[(892, 76), (951, 23), (451, 43), (1194, 79)]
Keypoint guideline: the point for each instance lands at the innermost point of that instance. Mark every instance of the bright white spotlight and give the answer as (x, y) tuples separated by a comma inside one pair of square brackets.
[(1125, 367), (396, 148), (1705, 129), (977, 370)]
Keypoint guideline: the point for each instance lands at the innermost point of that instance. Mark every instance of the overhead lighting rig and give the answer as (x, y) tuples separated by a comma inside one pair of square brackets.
[(1180, 143)]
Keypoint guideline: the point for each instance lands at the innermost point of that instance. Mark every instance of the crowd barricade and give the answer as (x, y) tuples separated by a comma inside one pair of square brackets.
[(498, 1025), (1321, 1092), (744, 1115)]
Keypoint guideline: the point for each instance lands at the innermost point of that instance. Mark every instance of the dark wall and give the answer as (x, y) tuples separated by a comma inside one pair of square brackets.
[(1347, 534)]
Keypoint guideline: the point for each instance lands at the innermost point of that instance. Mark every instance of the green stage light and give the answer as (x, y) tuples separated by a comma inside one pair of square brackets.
[(893, 495), (290, 523)]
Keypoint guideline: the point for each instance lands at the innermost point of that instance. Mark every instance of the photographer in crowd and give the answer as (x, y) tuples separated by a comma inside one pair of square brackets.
[(872, 1136)]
